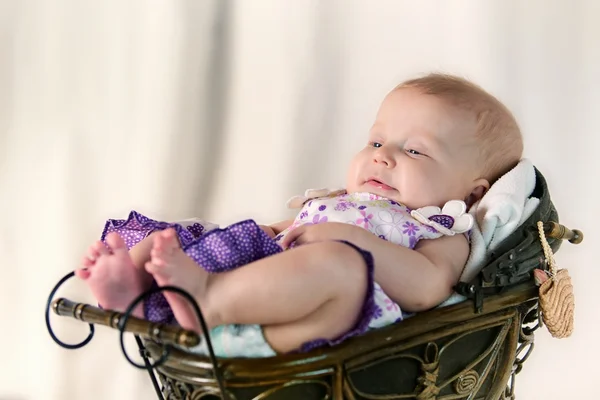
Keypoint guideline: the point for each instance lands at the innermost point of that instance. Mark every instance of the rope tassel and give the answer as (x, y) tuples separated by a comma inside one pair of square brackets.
[(557, 301)]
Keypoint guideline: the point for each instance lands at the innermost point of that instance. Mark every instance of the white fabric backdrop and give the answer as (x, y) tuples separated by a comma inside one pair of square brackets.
[(224, 109)]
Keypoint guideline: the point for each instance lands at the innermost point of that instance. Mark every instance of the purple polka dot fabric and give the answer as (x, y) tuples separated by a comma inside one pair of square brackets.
[(225, 249), (135, 228), (221, 250), (157, 308), (445, 220)]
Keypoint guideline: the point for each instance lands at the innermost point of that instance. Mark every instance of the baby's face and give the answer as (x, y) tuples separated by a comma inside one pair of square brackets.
[(421, 152)]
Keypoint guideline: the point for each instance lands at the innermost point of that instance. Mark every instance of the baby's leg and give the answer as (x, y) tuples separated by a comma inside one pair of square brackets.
[(310, 292), (112, 275), (170, 266)]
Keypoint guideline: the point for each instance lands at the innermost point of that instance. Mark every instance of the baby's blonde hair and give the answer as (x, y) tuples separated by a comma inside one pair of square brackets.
[(501, 140)]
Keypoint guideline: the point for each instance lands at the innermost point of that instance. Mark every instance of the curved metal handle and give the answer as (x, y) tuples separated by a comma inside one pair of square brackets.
[(158, 332), (558, 231)]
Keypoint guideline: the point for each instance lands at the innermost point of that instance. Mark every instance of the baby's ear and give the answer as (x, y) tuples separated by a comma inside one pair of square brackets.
[(481, 188)]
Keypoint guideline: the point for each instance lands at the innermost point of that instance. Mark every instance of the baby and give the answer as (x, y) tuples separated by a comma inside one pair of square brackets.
[(351, 260)]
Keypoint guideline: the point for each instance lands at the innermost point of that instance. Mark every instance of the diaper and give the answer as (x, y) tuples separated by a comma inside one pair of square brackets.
[(236, 340)]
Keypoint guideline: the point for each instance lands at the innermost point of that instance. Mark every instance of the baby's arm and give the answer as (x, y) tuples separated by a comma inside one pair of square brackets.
[(415, 279), (422, 278)]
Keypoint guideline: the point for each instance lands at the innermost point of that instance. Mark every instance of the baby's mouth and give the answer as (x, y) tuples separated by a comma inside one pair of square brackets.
[(378, 184)]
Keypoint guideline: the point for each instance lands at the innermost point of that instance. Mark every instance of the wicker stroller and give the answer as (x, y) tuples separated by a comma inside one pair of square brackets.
[(470, 350)]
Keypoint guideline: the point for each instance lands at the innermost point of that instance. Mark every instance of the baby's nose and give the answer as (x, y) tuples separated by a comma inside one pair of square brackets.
[(385, 159)]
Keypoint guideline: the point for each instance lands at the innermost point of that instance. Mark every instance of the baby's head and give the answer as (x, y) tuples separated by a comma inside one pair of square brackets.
[(436, 139)]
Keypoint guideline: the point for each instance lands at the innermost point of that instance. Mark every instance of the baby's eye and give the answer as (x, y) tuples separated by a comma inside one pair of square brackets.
[(376, 144), (414, 152)]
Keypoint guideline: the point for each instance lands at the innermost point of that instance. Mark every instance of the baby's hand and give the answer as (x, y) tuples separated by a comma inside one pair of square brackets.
[(268, 230), (309, 233)]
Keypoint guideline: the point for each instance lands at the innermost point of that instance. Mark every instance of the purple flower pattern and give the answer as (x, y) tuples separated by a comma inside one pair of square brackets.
[(430, 229), (318, 219), (412, 241), (385, 218), (365, 220), (377, 312), (390, 305), (344, 205), (195, 229), (410, 229)]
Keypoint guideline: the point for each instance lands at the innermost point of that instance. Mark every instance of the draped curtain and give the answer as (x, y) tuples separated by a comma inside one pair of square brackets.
[(224, 109)]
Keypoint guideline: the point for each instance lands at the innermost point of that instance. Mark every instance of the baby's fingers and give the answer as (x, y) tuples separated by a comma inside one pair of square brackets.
[(292, 236)]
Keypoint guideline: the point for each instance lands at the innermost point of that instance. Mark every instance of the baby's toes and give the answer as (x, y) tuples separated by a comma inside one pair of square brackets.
[(87, 261), (156, 252), (93, 253), (168, 240), (82, 273), (116, 243), (160, 246), (100, 248), (154, 267), (173, 240), (168, 234)]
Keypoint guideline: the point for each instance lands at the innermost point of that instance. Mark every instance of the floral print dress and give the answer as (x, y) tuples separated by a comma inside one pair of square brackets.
[(384, 218)]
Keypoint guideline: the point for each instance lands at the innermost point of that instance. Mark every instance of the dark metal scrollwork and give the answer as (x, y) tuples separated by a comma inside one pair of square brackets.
[(530, 322), (430, 370), (466, 383), (176, 390)]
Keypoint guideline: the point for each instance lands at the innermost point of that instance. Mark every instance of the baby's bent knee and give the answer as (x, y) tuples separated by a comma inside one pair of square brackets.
[(345, 262)]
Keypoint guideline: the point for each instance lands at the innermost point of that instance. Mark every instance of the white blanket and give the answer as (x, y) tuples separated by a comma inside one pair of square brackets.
[(506, 205)]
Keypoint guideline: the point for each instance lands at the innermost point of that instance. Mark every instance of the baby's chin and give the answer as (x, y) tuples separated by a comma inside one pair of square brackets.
[(388, 194)]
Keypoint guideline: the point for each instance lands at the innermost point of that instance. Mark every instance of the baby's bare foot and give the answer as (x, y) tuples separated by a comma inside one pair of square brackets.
[(112, 276), (170, 266)]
